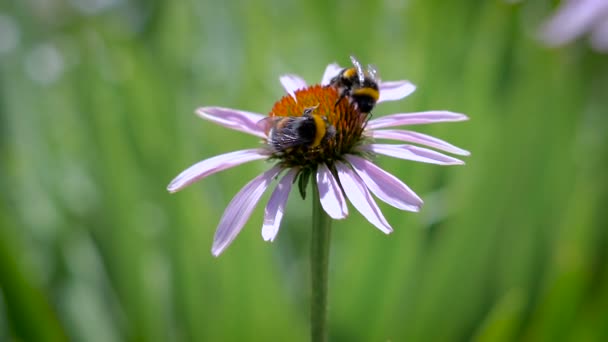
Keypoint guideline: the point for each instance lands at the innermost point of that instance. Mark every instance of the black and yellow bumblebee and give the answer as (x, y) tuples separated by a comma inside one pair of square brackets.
[(288, 132), (359, 86)]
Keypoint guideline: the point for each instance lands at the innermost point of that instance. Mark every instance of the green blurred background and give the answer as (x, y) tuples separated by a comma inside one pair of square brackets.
[(96, 117)]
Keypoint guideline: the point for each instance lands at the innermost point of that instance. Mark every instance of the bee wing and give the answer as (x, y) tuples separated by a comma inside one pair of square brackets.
[(289, 135), (266, 123), (359, 69), (373, 72), (286, 140)]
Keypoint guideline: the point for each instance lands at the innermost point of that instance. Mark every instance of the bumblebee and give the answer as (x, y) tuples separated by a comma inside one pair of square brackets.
[(288, 132), (361, 87)]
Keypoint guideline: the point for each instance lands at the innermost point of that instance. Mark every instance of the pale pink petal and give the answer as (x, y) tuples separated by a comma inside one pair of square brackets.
[(361, 198), (572, 20), (384, 185), (212, 165), (395, 90), (330, 194), (291, 83), (417, 138), (276, 206), (234, 119), (415, 119), (411, 152), (599, 36), (330, 72), (240, 208)]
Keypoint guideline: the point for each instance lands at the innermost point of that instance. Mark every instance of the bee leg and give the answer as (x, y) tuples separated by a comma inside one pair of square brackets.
[(343, 95), (368, 116), (331, 132)]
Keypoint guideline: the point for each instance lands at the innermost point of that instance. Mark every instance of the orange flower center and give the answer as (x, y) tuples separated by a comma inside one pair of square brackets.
[(347, 123)]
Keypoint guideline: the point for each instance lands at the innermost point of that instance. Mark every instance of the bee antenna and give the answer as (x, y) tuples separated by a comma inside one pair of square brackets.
[(309, 110), (359, 69)]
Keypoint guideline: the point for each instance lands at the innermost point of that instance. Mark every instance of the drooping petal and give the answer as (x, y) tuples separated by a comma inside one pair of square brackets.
[(411, 152), (212, 165), (384, 185), (330, 194), (291, 83), (418, 138), (395, 90), (415, 119), (330, 72), (240, 208), (360, 197), (238, 120), (276, 206)]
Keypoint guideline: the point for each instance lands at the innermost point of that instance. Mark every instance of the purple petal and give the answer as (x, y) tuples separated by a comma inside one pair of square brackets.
[(360, 198), (212, 165), (417, 138), (572, 20), (330, 72), (384, 185), (415, 119), (240, 208), (411, 152), (276, 206), (234, 119), (396, 90), (599, 36), (330, 194), (291, 83)]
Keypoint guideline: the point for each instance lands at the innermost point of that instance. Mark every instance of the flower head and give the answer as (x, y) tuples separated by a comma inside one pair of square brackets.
[(315, 131)]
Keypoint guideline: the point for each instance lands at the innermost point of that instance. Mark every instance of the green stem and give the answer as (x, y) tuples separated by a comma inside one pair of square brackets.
[(319, 264)]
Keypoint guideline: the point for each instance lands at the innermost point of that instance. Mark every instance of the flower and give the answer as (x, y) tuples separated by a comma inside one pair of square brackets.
[(575, 18), (342, 165)]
